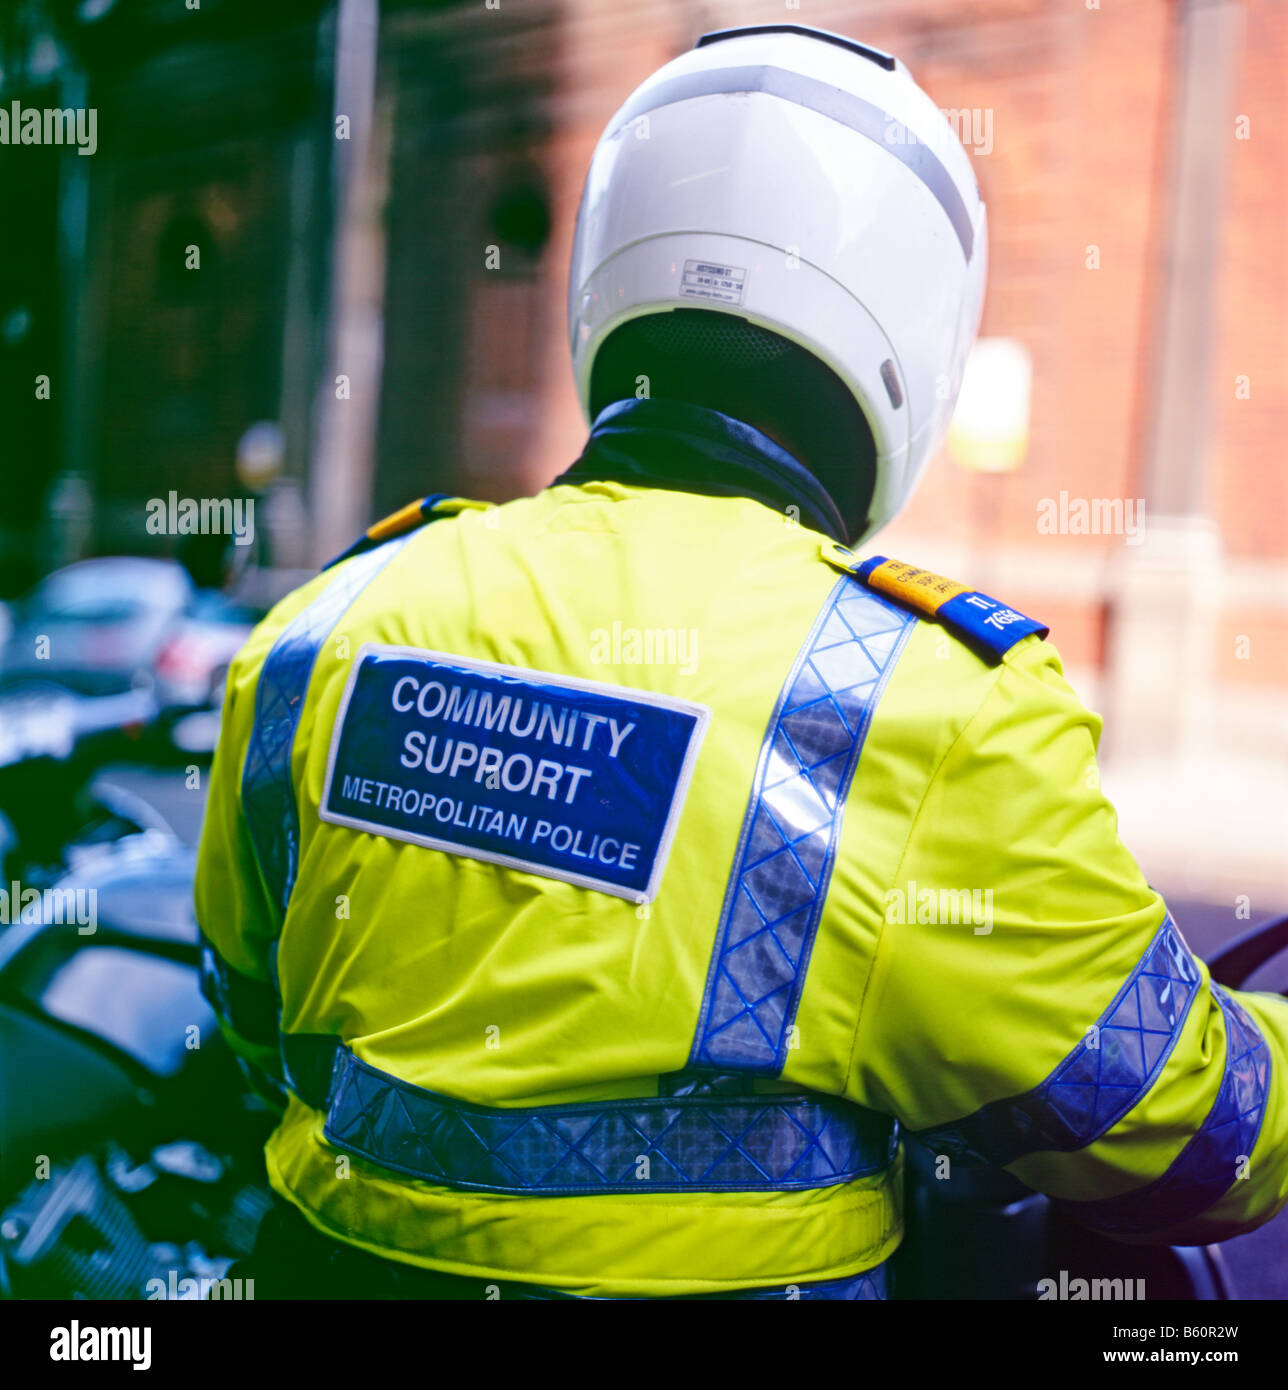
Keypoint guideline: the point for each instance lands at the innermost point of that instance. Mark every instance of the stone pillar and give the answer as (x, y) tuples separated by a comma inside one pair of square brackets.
[(1166, 603), (1166, 592), (345, 427)]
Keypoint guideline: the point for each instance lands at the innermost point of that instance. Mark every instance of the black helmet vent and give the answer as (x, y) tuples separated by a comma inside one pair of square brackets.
[(721, 337)]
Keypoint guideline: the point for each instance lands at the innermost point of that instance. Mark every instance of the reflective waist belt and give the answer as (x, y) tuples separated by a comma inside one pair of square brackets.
[(658, 1144)]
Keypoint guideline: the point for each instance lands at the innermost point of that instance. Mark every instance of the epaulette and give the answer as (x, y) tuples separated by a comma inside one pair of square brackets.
[(408, 518), (986, 624)]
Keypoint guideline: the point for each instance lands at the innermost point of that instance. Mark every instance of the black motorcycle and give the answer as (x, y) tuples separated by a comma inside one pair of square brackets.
[(104, 1031)]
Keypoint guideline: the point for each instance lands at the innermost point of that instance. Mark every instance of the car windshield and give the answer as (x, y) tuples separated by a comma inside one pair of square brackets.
[(109, 591)]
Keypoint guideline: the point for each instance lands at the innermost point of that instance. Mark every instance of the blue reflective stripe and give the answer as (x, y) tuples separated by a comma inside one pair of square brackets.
[(1100, 1080), (1210, 1163), (268, 796), (872, 1286), (736, 1144), (783, 864)]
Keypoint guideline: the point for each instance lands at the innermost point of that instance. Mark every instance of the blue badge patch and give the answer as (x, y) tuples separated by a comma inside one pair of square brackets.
[(558, 776)]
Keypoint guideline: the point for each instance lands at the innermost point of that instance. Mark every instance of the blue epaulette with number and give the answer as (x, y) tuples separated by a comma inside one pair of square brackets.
[(990, 626)]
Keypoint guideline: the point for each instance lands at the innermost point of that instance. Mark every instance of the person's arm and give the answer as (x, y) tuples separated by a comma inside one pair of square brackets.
[(1067, 1033), (238, 921)]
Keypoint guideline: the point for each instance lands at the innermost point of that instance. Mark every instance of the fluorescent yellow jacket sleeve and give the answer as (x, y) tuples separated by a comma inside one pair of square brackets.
[(1057, 1024), (239, 922)]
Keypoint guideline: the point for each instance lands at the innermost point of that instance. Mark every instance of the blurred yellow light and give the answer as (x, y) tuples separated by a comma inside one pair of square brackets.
[(990, 427)]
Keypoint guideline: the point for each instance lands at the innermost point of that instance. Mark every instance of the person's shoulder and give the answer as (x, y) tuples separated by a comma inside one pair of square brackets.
[(1006, 695), (990, 627), (435, 507)]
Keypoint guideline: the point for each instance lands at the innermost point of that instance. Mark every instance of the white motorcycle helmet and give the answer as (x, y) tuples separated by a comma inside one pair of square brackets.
[(802, 186)]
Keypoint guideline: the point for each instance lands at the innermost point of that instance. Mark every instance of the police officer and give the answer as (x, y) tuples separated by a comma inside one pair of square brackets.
[(598, 882)]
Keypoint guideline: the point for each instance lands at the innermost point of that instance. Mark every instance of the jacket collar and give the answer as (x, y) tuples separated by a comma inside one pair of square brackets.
[(688, 448)]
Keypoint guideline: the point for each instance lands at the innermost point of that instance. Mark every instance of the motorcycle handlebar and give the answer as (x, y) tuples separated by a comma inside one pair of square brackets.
[(1238, 959)]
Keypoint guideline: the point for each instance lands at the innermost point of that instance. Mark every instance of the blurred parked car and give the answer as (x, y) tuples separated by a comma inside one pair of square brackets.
[(192, 666), (123, 627)]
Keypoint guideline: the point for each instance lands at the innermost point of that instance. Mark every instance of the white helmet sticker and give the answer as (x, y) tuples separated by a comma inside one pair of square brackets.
[(702, 280)]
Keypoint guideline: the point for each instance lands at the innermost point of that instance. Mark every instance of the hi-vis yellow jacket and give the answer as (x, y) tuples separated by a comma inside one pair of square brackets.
[(621, 865)]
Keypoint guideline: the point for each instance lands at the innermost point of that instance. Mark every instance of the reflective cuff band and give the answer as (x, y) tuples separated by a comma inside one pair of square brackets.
[(1215, 1157), (1100, 1080), (651, 1144)]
